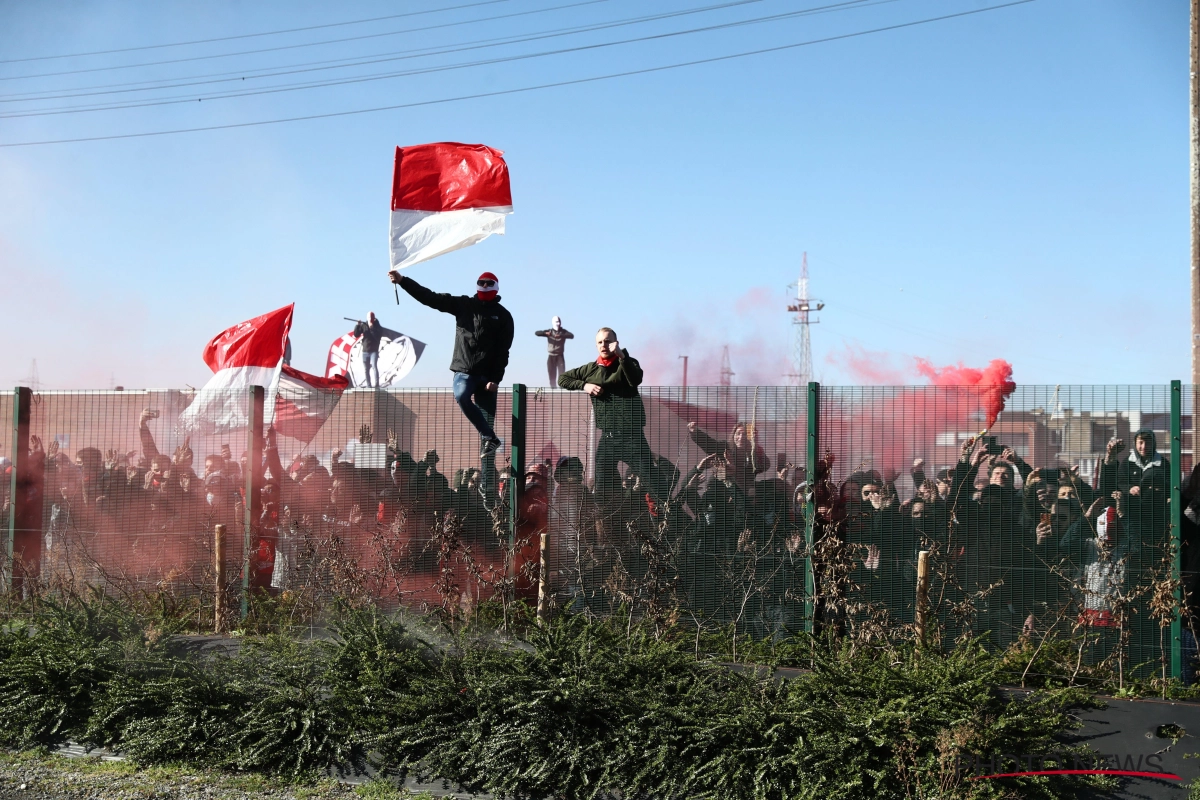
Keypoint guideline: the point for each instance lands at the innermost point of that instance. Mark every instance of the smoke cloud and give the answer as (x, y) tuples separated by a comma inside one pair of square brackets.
[(887, 427), (753, 326)]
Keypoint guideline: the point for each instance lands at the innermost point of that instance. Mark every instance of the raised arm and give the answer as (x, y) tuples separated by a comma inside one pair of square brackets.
[(629, 372), (446, 303), (542, 333), (567, 334), (149, 449), (705, 442)]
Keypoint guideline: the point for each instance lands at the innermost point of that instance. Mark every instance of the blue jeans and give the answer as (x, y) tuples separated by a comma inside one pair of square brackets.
[(371, 361), (479, 407), (478, 404)]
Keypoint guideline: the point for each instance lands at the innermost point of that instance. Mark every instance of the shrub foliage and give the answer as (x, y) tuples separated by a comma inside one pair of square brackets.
[(579, 708)]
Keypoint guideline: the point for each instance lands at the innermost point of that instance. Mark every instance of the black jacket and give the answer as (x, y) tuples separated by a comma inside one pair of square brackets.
[(371, 334), (484, 333)]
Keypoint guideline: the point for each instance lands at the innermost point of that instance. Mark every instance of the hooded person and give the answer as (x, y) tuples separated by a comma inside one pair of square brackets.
[(1102, 576), (744, 457), (556, 340), (482, 338), (1143, 479)]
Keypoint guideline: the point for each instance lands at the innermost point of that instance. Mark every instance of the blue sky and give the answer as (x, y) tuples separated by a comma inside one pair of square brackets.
[(1011, 184)]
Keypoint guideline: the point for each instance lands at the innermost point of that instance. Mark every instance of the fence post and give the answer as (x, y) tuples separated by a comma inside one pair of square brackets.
[(25, 498), (1176, 522), (810, 504), (253, 500), (543, 573), (516, 474), (922, 595), (219, 568), (20, 401)]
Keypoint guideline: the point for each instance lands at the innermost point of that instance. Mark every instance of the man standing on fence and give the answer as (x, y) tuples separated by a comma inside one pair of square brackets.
[(482, 339), (556, 342), (612, 381), (371, 332)]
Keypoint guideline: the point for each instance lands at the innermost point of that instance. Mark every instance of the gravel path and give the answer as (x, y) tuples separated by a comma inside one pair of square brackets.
[(42, 776)]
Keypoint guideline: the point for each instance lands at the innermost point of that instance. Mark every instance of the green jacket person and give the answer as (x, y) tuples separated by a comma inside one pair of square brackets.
[(612, 380)]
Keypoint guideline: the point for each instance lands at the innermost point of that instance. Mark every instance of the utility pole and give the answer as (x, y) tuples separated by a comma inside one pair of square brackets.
[(1194, 129), (727, 372), (685, 360), (803, 309)]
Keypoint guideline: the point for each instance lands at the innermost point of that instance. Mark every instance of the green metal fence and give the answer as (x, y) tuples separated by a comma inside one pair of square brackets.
[(771, 509)]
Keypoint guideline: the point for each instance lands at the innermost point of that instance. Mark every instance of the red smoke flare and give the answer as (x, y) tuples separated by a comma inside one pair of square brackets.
[(994, 383)]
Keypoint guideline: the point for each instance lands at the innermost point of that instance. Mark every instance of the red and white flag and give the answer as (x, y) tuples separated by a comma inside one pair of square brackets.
[(304, 402), (446, 196), (247, 354)]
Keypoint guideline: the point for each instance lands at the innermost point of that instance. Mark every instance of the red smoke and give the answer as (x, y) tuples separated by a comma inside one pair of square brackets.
[(883, 424), (994, 383)]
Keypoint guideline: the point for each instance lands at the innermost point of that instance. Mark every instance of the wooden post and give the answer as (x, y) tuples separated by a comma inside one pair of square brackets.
[(543, 572), (219, 564), (922, 594), (1194, 181)]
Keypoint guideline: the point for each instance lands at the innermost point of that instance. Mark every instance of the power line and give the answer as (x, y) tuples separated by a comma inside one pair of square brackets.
[(375, 58), (297, 46), (520, 90), (250, 35), (427, 70)]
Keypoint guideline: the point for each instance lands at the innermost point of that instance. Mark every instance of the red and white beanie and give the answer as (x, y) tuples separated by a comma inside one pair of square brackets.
[(1108, 525), (487, 287)]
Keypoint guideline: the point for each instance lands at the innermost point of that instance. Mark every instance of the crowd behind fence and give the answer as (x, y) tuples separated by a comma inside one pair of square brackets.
[(768, 510)]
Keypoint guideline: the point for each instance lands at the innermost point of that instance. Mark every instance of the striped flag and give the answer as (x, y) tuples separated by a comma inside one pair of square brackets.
[(446, 196), (244, 355), (303, 402)]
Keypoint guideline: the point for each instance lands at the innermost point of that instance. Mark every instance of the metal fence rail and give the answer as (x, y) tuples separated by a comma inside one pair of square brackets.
[(771, 509)]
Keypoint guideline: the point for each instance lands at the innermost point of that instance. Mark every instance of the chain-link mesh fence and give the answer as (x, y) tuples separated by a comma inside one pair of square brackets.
[(689, 504)]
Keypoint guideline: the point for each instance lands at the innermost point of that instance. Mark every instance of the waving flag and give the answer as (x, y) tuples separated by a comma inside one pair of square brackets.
[(398, 354), (247, 354), (446, 196), (304, 402)]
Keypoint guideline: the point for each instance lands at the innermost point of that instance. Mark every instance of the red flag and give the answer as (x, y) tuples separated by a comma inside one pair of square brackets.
[(304, 402), (446, 196), (244, 355)]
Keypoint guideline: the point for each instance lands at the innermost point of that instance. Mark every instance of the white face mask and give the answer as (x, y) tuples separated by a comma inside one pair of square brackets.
[(556, 323), (210, 497)]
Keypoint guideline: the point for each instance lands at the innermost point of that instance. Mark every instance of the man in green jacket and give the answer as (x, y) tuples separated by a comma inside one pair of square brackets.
[(612, 381)]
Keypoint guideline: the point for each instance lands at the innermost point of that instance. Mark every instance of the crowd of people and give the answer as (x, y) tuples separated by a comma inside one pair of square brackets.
[(1026, 543), (730, 537)]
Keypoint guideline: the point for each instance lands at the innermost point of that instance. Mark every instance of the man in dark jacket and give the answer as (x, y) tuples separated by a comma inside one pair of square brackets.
[(371, 333), (1144, 481), (612, 381), (482, 338)]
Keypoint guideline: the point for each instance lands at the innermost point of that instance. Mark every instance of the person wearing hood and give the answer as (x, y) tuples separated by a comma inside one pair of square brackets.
[(483, 336), (743, 456), (556, 344), (1143, 479)]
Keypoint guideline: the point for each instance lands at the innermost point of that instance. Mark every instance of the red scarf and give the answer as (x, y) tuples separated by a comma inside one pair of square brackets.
[(486, 295), (606, 362)]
